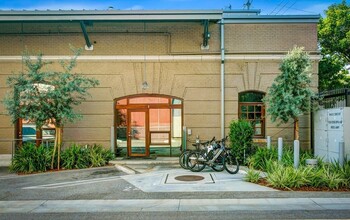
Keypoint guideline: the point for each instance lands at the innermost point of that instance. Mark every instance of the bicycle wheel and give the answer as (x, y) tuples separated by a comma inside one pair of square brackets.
[(183, 159), (194, 163), (218, 165), (231, 164)]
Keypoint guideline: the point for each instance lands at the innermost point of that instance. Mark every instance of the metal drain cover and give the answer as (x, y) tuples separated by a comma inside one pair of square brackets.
[(177, 178), (188, 178)]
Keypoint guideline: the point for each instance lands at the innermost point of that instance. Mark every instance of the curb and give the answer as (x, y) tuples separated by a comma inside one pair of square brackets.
[(124, 169)]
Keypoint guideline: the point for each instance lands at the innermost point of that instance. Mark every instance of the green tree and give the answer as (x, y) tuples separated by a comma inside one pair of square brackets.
[(290, 93), (334, 38), (332, 73), (42, 96)]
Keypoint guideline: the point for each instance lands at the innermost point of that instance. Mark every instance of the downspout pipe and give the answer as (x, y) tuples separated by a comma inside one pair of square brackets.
[(222, 78), (86, 36)]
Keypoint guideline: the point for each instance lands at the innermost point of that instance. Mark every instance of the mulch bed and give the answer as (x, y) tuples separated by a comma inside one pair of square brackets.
[(263, 182)]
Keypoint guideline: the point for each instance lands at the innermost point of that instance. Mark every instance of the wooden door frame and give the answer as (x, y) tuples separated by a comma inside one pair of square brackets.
[(129, 107), (147, 141)]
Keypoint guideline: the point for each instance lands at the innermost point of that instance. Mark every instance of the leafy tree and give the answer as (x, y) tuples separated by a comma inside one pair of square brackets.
[(290, 93), (332, 73), (334, 38), (43, 96)]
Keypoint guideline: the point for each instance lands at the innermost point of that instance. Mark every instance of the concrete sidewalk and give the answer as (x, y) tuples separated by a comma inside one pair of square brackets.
[(158, 186), (164, 174), (174, 205)]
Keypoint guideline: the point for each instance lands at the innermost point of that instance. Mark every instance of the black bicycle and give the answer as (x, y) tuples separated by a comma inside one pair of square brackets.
[(219, 158), (199, 147)]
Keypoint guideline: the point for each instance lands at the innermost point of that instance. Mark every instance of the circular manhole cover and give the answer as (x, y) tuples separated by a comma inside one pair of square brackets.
[(189, 178)]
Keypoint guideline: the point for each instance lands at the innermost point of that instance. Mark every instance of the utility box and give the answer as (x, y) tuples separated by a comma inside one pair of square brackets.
[(331, 126)]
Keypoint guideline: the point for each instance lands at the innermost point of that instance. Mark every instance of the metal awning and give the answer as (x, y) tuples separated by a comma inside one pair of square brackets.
[(232, 16), (110, 15), (85, 17)]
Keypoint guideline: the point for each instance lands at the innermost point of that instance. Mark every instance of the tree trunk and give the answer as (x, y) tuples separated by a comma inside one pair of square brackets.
[(296, 129), (39, 136), (59, 143), (57, 146), (54, 148)]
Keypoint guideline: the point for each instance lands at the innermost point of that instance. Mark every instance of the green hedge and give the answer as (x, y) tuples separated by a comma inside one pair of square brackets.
[(30, 158), (241, 139), (283, 175)]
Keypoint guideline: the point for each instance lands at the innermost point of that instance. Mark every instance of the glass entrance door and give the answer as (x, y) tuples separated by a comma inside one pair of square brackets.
[(148, 125), (138, 144)]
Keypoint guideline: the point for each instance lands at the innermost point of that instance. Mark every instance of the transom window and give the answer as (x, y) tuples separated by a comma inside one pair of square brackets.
[(251, 108)]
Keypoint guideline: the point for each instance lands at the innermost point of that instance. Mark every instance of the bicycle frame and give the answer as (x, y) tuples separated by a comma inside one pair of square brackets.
[(211, 162)]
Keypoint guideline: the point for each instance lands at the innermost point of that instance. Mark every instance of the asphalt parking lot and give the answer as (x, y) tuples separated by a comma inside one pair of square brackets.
[(98, 192)]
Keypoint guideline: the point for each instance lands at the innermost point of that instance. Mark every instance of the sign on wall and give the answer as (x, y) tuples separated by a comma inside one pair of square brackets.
[(331, 126)]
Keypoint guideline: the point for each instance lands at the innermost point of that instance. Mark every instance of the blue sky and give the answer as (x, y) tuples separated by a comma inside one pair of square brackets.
[(267, 6)]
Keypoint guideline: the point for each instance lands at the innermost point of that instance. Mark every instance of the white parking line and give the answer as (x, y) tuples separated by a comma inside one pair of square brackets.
[(73, 183)]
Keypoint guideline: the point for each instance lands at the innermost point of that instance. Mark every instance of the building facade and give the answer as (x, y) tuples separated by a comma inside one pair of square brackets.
[(160, 71)]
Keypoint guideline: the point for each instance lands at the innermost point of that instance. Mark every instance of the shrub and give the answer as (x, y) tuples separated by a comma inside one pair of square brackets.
[(316, 178), (80, 157), (30, 158), (305, 154), (252, 176), (345, 172), (337, 176), (96, 156), (241, 138), (260, 159), (283, 175), (333, 179), (287, 177), (263, 157), (99, 156), (75, 157)]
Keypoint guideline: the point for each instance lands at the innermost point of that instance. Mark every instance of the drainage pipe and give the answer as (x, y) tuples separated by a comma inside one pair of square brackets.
[(222, 78)]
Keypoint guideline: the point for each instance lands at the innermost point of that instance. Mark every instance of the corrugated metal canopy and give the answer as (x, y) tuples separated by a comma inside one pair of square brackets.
[(110, 15)]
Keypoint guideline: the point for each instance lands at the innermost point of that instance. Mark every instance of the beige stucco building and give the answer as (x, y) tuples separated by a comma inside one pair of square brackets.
[(160, 71)]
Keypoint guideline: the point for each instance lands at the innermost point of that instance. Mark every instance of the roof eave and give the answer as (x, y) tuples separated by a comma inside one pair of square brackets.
[(271, 19), (114, 15)]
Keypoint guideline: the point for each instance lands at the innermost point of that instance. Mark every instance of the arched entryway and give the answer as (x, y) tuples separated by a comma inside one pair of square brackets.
[(148, 124)]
